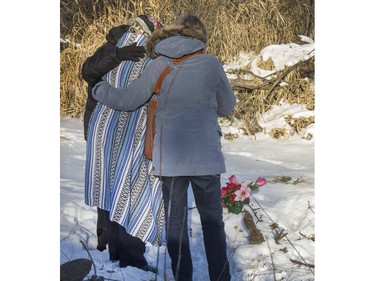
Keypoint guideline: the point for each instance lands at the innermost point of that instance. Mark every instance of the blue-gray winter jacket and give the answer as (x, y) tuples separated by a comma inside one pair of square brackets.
[(193, 95)]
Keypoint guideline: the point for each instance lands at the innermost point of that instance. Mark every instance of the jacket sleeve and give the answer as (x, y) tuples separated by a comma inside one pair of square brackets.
[(101, 62), (225, 96), (89, 109), (130, 98)]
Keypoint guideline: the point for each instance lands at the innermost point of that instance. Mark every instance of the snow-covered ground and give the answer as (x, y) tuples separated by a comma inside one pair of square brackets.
[(290, 204)]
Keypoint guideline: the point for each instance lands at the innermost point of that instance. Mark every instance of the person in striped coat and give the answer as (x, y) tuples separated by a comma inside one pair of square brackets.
[(118, 178), (106, 58)]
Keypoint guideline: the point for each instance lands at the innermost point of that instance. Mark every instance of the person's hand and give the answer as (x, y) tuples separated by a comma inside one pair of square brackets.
[(131, 52)]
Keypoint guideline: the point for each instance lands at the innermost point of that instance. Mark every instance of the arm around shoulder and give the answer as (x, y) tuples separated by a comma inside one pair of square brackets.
[(125, 99), (100, 63)]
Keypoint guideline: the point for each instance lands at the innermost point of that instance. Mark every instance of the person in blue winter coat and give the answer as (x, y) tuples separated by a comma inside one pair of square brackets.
[(187, 147)]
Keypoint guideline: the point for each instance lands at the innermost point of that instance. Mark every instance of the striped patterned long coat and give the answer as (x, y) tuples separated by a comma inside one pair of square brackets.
[(118, 177)]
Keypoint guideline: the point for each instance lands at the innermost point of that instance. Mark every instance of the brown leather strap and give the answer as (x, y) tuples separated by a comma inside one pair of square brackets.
[(181, 59), (160, 80), (167, 69), (150, 125), (153, 104)]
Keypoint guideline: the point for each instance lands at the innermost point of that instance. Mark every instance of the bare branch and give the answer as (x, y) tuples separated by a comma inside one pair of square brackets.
[(311, 236), (247, 84), (302, 263), (267, 84), (308, 202)]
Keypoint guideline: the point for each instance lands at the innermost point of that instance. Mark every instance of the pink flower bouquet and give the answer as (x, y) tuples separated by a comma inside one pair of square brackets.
[(235, 195)]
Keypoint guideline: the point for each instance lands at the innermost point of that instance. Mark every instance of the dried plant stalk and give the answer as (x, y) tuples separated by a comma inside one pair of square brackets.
[(233, 26)]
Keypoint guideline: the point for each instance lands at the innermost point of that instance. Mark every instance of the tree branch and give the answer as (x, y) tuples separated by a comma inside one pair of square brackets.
[(271, 84), (301, 263)]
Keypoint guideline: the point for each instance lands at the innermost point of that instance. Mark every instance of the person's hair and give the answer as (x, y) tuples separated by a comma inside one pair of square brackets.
[(192, 22)]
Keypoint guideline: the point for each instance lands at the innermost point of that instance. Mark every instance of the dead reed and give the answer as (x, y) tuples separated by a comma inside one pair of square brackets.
[(233, 26)]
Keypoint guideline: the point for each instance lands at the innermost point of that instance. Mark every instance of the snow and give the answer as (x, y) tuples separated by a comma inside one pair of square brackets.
[(273, 118), (281, 55), (248, 158)]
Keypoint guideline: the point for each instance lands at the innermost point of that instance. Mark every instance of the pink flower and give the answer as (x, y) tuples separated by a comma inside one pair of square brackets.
[(261, 181), (233, 179), (242, 194)]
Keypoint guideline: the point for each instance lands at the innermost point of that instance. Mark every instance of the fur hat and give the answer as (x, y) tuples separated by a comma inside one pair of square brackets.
[(144, 24), (172, 30)]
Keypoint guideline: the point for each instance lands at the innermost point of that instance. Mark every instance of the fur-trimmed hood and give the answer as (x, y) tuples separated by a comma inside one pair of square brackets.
[(171, 31)]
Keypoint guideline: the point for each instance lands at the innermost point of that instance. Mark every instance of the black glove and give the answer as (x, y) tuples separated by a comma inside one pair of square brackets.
[(92, 84), (131, 52)]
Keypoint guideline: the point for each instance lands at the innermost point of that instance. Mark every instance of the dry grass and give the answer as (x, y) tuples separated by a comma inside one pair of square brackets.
[(287, 179), (298, 124), (278, 133), (253, 103), (233, 26)]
